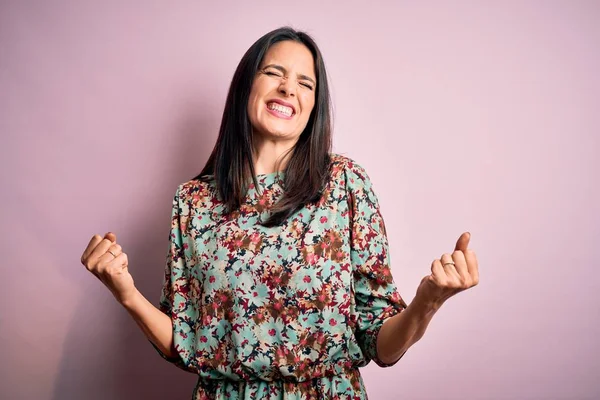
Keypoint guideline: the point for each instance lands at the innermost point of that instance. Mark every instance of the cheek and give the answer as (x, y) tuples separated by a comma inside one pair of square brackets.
[(307, 106), (250, 108), (253, 99), (253, 106)]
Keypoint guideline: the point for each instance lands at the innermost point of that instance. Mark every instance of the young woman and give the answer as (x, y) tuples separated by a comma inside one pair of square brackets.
[(278, 283)]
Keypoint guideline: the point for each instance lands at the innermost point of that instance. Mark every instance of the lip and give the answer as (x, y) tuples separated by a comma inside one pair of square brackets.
[(283, 103)]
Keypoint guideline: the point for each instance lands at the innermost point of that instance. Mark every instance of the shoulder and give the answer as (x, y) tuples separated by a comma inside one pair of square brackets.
[(193, 189), (348, 172)]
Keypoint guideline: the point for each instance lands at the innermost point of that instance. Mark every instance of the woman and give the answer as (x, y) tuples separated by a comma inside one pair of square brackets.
[(277, 282)]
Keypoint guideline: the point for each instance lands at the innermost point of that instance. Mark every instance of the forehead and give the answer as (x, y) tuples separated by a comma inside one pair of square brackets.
[(293, 56)]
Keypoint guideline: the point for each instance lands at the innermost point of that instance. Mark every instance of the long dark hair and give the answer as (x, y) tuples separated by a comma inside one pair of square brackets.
[(231, 162)]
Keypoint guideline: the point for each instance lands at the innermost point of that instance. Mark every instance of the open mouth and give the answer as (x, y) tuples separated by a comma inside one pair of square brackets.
[(281, 109)]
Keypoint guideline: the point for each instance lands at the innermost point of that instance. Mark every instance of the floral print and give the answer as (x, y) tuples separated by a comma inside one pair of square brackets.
[(287, 312)]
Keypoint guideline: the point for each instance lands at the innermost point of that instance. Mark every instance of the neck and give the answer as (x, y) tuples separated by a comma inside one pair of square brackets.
[(271, 155)]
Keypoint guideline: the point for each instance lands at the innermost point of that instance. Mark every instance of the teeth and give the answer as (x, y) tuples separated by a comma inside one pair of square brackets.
[(279, 108)]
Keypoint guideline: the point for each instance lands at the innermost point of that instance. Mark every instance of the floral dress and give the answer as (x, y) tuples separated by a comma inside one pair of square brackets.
[(288, 312)]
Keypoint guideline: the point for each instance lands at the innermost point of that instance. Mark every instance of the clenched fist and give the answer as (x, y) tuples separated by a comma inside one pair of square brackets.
[(104, 258), (450, 275)]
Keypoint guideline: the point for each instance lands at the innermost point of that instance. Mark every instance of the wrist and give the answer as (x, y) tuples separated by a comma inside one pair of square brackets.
[(426, 305), (129, 301)]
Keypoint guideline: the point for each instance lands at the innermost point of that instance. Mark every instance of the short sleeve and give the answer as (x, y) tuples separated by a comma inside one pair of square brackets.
[(376, 294), (174, 298)]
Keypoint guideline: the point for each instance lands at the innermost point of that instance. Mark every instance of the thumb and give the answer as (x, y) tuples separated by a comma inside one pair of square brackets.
[(111, 236), (462, 244)]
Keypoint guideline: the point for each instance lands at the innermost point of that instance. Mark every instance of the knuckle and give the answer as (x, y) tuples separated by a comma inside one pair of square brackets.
[(118, 247)]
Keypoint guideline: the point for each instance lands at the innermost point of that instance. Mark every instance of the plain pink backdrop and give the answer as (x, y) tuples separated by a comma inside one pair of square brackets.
[(468, 115)]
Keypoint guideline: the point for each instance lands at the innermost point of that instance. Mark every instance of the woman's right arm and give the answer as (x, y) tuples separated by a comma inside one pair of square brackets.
[(156, 325), (105, 258)]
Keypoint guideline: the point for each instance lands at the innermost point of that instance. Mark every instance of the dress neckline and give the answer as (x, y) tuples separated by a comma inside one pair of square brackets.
[(270, 174)]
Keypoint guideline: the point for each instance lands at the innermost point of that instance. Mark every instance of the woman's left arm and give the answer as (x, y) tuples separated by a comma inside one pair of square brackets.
[(449, 275)]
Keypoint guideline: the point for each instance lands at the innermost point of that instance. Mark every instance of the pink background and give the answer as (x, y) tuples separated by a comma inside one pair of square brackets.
[(478, 116)]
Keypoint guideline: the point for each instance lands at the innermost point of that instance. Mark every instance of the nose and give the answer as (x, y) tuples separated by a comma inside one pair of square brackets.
[(287, 87)]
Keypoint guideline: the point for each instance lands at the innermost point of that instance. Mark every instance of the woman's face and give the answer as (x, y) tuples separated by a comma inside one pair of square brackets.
[(283, 92)]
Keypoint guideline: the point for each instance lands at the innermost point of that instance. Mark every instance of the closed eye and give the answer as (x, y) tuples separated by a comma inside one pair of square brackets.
[(271, 73), (306, 85)]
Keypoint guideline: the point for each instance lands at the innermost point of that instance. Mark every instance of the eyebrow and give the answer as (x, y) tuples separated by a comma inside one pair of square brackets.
[(283, 70)]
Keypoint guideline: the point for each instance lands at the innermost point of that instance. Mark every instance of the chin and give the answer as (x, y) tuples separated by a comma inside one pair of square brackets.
[(281, 136), (274, 133)]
